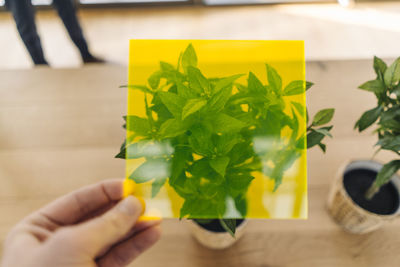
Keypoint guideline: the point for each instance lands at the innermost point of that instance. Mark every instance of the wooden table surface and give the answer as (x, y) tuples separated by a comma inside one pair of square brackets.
[(60, 129)]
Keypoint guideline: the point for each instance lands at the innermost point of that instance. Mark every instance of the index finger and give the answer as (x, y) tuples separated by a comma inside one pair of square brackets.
[(74, 206)]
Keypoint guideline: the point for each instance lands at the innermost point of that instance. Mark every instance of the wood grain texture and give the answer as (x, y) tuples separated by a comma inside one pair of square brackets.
[(59, 130)]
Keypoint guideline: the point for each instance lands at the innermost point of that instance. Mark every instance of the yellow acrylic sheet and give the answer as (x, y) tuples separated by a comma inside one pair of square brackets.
[(216, 128)]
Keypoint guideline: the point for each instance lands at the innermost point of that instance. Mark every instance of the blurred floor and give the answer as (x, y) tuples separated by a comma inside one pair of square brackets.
[(330, 31)]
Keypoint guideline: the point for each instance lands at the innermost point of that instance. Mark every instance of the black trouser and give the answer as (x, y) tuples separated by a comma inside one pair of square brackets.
[(24, 16)]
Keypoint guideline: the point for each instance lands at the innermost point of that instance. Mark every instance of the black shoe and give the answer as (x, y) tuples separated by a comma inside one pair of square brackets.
[(92, 59), (41, 63)]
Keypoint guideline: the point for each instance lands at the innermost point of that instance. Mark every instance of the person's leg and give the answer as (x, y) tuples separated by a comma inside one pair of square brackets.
[(67, 13), (24, 16)]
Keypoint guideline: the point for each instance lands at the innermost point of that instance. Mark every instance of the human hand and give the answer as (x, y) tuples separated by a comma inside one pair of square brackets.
[(88, 227)]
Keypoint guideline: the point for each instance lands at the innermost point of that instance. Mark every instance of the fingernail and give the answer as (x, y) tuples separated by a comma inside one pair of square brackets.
[(130, 206)]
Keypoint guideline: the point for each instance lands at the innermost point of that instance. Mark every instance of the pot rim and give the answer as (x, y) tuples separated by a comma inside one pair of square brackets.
[(374, 166), (242, 225)]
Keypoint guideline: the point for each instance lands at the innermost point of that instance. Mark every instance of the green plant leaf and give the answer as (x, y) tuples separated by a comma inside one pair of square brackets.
[(323, 131), (200, 140), (151, 169), (322, 146), (197, 81), (386, 173), (193, 206), (223, 123), (208, 190), (225, 82), (229, 225), (390, 119), (390, 143), (202, 169), (392, 74), (375, 86), (185, 91), (309, 85), (241, 88), (218, 100), (314, 138), (189, 58), (241, 205), (197, 208), (379, 66), (390, 125), (121, 154), (274, 80), (173, 102), (225, 142), (323, 116), (238, 99), (165, 66), (173, 77), (122, 150), (192, 106), (300, 108), (254, 85), (300, 143), (368, 118), (239, 182), (154, 80), (277, 176), (294, 88), (140, 126), (172, 128), (179, 161), (219, 164)]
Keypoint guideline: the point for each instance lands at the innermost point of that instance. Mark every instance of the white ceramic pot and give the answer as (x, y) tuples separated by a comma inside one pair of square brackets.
[(215, 240), (349, 215)]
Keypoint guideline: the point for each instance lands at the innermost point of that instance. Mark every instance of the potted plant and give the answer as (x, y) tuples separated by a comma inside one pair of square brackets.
[(201, 133), (220, 234), (366, 193)]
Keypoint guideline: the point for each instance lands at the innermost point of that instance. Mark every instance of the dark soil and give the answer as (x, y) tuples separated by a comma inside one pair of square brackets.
[(215, 226), (357, 182)]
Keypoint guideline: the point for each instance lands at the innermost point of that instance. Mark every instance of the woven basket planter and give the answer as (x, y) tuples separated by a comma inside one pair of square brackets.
[(349, 215)]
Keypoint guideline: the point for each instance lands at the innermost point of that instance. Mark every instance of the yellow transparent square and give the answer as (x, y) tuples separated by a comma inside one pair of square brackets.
[(191, 154)]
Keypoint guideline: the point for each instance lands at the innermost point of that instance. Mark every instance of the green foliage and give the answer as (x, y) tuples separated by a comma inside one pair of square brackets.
[(323, 117), (386, 116), (206, 137), (229, 225), (189, 58), (316, 135)]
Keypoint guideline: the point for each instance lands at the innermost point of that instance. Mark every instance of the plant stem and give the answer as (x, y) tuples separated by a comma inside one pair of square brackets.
[(371, 191), (375, 153)]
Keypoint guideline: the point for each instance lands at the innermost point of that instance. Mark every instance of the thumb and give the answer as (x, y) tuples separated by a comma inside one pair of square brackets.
[(107, 229)]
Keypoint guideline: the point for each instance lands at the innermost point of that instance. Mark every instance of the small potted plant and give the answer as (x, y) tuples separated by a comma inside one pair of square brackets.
[(201, 136), (220, 234), (366, 193)]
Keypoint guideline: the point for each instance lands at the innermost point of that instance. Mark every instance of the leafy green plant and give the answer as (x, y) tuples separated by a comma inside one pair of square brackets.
[(207, 137), (386, 116)]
